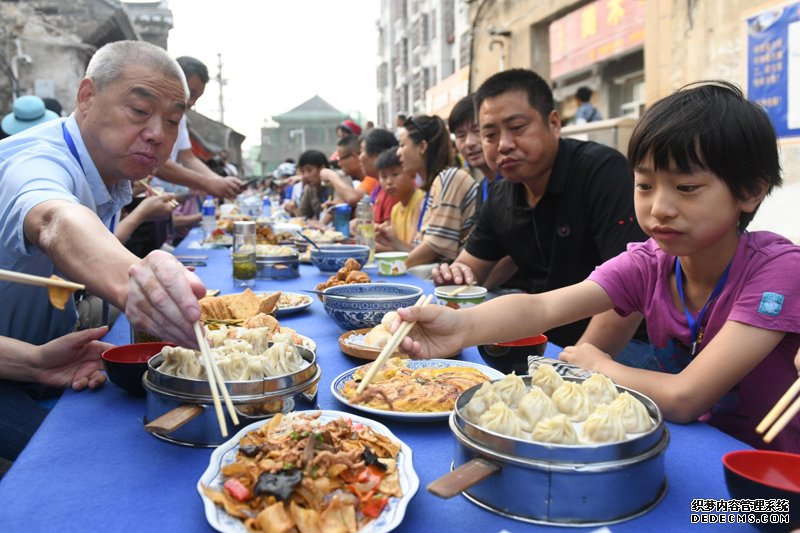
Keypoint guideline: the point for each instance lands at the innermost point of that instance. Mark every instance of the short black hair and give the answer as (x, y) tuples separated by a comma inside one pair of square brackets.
[(378, 140), (401, 116), (315, 158), (584, 94), (710, 125), (351, 142), (540, 96), (190, 65), (388, 159), (463, 112)]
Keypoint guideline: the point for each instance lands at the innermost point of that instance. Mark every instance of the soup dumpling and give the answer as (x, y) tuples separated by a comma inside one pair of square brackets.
[(633, 413), (572, 400), (555, 430), (533, 407), (546, 377), (604, 425), (481, 400), (600, 389), (501, 419), (510, 389)]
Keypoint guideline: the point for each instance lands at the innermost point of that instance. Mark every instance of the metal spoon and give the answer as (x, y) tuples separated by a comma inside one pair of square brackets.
[(309, 240)]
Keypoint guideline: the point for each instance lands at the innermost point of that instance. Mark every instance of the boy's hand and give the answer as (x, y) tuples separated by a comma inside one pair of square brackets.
[(586, 356), (437, 333)]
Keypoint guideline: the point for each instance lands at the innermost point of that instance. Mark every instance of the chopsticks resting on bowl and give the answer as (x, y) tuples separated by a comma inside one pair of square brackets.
[(28, 279), (391, 346), (788, 414), (460, 289), (215, 380)]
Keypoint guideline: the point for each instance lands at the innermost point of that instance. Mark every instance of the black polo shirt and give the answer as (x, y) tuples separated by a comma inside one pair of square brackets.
[(585, 217)]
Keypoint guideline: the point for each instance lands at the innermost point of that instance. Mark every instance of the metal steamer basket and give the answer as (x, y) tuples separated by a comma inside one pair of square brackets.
[(278, 266), (566, 485), (181, 410)]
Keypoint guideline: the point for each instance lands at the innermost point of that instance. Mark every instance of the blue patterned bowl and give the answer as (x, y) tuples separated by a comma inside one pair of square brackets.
[(362, 305), (331, 258)]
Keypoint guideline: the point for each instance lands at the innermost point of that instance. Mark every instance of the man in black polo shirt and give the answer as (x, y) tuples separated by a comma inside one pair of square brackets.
[(563, 207)]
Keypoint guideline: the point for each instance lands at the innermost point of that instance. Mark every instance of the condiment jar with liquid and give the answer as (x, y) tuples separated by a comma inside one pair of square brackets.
[(244, 253)]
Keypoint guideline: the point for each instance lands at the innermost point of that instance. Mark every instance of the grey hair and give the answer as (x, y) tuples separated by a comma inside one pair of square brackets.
[(110, 61)]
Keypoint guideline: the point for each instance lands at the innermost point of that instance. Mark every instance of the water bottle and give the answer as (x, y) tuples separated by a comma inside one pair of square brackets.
[(365, 226), (266, 207), (209, 216)]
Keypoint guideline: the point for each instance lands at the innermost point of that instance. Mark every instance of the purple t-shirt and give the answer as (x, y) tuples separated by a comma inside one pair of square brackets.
[(762, 290)]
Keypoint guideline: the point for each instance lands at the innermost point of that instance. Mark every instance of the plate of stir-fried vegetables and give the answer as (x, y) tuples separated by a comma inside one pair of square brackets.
[(309, 471)]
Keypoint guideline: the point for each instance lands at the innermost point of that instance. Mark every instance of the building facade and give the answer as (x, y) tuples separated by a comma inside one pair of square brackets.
[(420, 44)]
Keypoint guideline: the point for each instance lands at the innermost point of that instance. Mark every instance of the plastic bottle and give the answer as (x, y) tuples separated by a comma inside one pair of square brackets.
[(365, 226), (209, 216), (266, 207)]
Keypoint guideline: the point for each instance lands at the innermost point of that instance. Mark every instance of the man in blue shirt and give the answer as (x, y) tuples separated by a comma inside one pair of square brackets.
[(62, 184)]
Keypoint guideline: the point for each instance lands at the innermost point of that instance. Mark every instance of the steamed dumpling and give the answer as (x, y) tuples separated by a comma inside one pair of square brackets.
[(555, 430), (377, 337), (501, 419), (604, 425), (182, 362), (572, 400), (546, 377), (388, 320), (633, 413), (510, 389), (533, 407), (481, 400), (600, 389)]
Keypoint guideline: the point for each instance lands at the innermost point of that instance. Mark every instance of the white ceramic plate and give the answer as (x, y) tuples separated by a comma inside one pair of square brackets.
[(225, 454), (338, 385), (283, 311)]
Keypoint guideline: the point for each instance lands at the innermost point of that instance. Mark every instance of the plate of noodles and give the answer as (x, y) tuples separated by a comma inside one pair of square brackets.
[(418, 389), (359, 476)]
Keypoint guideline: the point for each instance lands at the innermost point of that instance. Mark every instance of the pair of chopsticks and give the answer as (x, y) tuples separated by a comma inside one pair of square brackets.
[(174, 203), (391, 346), (28, 279), (779, 407), (215, 381), (460, 289)]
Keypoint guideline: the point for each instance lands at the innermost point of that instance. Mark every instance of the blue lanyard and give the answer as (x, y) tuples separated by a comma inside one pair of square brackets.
[(485, 186), (71, 145), (422, 212), (695, 326), (74, 151)]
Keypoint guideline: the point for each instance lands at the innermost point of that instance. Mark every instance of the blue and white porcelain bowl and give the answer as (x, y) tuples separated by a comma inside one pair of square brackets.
[(362, 305), (331, 258)]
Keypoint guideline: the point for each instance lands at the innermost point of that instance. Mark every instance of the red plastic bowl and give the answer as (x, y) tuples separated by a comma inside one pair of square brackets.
[(765, 474), (125, 365), (512, 356)]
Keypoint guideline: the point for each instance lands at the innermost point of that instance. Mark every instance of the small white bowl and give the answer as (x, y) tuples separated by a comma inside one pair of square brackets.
[(391, 263), (468, 297)]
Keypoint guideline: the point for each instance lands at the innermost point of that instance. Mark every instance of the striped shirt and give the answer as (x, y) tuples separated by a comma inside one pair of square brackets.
[(450, 213)]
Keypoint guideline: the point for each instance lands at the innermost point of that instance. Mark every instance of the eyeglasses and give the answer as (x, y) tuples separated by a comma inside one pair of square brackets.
[(343, 157)]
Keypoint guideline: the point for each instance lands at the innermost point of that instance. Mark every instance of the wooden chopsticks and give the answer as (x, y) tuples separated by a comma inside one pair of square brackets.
[(174, 203), (784, 419), (391, 346), (215, 381), (460, 289), (28, 279)]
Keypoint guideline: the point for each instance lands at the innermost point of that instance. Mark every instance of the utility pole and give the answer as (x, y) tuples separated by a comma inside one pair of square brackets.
[(222, 82)]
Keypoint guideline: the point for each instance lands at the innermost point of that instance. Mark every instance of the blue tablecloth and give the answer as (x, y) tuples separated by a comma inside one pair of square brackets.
[(92, 467)]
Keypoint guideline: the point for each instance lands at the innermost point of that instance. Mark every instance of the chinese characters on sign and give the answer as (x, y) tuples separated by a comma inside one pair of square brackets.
[(773, 65), (597, 31)]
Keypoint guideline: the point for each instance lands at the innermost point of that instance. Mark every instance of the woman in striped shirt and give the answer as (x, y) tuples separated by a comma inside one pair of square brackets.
[(448, 210)]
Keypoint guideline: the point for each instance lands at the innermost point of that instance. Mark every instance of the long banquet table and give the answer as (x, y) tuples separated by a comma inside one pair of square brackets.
[(92, 467)]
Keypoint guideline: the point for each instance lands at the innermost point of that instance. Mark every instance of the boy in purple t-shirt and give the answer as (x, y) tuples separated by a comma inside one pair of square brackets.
[(722, 305)]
